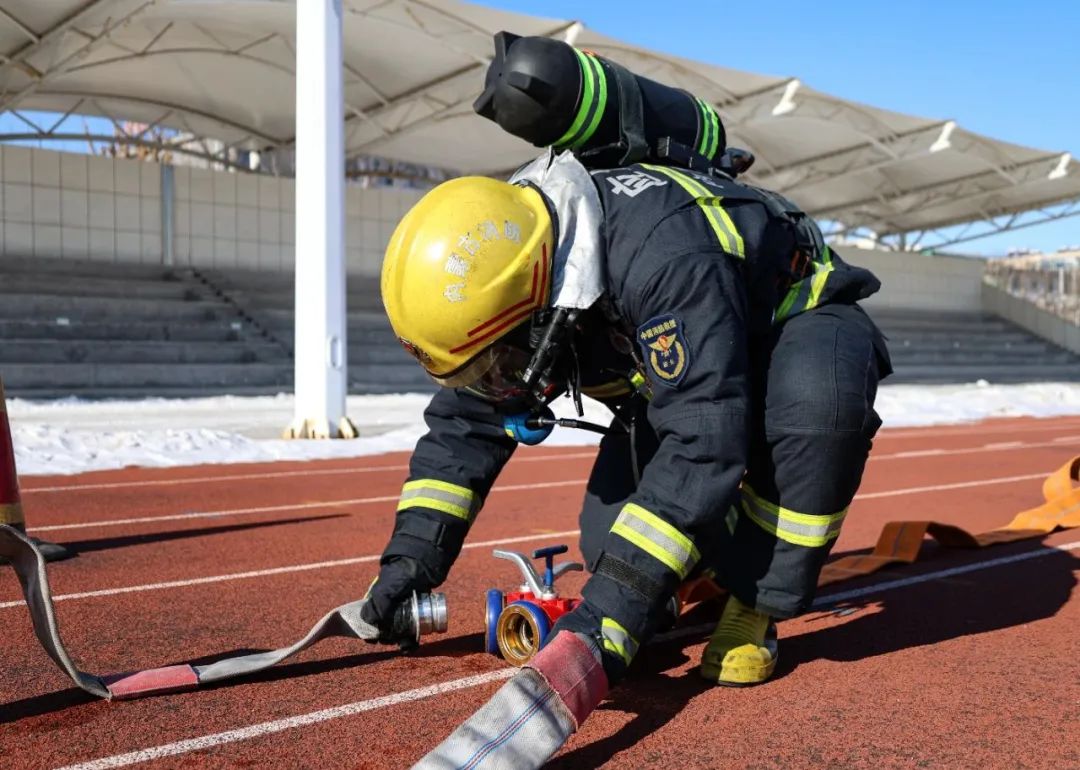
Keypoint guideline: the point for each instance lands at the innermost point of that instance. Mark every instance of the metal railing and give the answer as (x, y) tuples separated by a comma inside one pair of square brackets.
[(1054, 289)]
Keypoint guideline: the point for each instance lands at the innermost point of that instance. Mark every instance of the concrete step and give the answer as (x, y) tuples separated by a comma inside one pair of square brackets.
[(943, 373), (968, 326), (262, 280), (357, 335), (1000, 358), (389, 352), (109, 308), (1027, 344), (121, 332), (286, 300), (153, 352), (94, 269), (87, 376), (284, 319), (922, 337), (87, 286)]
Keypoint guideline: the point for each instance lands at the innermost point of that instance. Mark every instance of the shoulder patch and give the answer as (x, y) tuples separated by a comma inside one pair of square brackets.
[(667, 353)]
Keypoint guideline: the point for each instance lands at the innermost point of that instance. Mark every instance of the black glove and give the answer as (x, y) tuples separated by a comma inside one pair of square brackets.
[(398, 580)]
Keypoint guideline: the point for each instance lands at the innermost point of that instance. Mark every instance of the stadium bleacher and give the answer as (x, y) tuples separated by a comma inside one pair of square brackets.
[(938, 347), (377, 363), (100, 330), (110, 330)]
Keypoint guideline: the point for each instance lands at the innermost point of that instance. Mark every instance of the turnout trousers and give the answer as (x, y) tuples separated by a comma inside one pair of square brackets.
[(814, 380)]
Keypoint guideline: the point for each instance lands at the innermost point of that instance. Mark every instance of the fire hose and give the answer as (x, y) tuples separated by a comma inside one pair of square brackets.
[(424, 614)]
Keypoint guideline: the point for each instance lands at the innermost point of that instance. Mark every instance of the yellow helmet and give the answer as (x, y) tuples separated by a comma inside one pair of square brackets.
[(467, 265)]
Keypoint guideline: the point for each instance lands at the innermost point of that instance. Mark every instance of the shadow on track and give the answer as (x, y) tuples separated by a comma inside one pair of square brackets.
[(62, 699), (936, 611), (457, 646), (919, 615), (124, 541)]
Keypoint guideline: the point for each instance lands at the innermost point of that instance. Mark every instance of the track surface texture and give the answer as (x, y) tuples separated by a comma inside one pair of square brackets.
[(976, 667)]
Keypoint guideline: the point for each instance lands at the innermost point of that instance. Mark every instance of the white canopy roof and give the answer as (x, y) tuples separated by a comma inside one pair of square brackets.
[(225, 69)]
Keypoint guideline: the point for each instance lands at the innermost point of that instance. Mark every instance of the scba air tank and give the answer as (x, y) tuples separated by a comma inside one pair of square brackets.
[(552, 94)]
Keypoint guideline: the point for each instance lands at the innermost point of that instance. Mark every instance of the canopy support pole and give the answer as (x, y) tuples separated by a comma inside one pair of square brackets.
[(320, 343)]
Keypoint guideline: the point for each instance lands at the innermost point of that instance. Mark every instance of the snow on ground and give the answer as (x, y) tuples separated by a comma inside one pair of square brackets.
[(71, 435)]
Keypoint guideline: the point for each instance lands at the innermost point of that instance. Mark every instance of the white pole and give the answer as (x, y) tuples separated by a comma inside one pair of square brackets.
[(320, 341)]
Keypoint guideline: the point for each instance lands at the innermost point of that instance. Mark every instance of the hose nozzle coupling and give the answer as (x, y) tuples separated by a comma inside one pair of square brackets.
[(422, 614), (430, 613)]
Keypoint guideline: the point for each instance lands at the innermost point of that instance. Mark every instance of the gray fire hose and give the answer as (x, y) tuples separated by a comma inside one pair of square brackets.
[(424, 614)]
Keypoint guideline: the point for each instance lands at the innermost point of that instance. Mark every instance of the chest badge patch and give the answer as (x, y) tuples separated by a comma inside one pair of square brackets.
[(663, 341)]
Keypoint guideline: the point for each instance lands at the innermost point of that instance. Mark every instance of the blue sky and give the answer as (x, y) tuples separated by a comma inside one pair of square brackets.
[(1009, 70)]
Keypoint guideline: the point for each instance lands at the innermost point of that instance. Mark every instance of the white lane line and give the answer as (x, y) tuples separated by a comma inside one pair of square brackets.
[(956, 485), (274, 475), (276, 726), (360, 559), (280, 508), (211, 479), (275, 570), (912, 453), (386, 701), (1003, 446), (360, 501), (887, 585), (954, 430)]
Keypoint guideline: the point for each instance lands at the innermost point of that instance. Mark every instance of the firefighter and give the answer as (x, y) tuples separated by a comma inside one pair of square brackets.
[(628, 264), (720, 329)]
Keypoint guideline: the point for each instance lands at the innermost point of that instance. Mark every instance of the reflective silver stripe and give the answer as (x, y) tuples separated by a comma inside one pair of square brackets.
[(441, 496), (656, 537), (732, 519), (618, 640), (810, 530)]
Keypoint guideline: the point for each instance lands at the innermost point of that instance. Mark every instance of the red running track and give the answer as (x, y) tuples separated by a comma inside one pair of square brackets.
[(973, 667)]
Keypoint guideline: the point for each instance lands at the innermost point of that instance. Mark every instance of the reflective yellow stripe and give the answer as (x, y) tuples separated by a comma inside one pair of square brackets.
[(821, 275), (710, 203), (601, 100), (806, 529), (641, 385), (657, 538), (618, 640), (438, 495), (812, 287), (607, 390), (11, 513), (588, 80), (784, 310)]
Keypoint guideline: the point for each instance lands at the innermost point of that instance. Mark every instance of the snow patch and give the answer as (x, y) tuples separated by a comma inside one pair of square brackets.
[(72, 436)]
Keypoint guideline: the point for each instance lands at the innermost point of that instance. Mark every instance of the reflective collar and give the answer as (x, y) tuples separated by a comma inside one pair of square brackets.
[(578, 277)]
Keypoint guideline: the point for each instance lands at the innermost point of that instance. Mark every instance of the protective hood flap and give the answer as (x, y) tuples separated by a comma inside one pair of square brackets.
[(578, 277)]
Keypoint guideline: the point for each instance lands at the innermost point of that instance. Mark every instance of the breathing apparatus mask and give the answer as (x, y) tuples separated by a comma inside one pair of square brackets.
[(525, 371)]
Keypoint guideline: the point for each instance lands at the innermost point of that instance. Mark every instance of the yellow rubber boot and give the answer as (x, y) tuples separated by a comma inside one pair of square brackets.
[(743, 649)]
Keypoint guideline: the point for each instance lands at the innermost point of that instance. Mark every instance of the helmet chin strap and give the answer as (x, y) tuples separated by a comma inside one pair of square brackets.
[(551, 339), (552, 332)]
